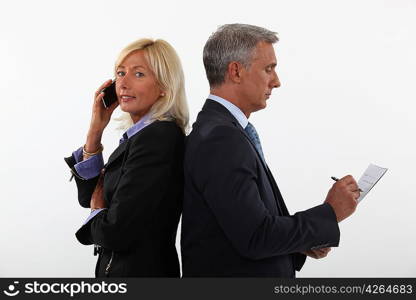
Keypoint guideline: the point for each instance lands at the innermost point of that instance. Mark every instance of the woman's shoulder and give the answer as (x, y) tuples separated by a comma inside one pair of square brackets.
[(160, 131), (165, 125)]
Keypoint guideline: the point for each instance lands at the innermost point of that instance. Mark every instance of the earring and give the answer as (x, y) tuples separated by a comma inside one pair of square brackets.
[(162, 94)]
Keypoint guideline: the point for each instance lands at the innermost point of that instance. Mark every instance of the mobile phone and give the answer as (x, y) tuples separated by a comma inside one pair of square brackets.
[(110, 95)]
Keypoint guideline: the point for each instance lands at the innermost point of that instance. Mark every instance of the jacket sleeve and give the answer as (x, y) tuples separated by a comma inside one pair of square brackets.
[(139, 192), (85, 186), (228, 180), (299, 260)]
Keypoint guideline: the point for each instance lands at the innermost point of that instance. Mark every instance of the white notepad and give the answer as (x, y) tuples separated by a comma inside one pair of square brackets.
[(369, 179)]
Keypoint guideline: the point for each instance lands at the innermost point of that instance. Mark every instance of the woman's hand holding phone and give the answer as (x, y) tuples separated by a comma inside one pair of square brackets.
[(99, 119)]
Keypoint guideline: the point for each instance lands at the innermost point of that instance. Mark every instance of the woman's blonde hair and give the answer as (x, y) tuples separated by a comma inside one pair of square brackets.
[(165, 64)]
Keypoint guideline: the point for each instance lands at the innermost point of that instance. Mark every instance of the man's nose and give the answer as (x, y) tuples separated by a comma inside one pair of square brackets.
[(276, 81)]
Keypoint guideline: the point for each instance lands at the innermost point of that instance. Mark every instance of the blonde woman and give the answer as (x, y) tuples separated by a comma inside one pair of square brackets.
[(136, 197)]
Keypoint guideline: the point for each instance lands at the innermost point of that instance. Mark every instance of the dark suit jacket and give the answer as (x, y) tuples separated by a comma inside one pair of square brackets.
[(235, 222), (143, 190)]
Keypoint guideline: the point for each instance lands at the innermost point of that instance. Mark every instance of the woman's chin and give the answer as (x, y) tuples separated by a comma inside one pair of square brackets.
[(124, 107)]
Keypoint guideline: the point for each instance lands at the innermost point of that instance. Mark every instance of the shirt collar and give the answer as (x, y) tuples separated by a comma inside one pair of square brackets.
[(234, 110), (142, 123)]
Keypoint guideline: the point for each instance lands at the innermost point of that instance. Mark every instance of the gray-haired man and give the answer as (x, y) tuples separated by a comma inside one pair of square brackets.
[(235, 222)]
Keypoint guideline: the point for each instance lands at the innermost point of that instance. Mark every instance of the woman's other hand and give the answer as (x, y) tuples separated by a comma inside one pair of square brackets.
[(97, 198)]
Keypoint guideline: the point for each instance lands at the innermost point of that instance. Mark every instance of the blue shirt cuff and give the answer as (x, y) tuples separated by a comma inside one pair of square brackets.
[(93, 214), (77, 155), (90, 167)]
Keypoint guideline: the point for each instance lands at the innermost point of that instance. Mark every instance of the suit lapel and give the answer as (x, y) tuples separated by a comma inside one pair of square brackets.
[(211, 105), (254, 147), (277, 192), (277, 196), (124, 146), (117, 153)]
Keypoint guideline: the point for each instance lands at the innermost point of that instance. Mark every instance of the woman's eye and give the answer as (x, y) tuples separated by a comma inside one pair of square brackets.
[(139, 74), (120, 73)]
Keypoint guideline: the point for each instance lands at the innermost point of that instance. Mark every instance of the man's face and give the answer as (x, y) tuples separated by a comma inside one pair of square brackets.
[(260, 78)]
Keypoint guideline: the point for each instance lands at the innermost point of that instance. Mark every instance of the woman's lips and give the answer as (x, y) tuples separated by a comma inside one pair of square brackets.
[(126, 98)]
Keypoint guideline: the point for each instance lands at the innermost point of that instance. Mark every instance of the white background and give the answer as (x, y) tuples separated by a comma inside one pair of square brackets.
[(347, 70)]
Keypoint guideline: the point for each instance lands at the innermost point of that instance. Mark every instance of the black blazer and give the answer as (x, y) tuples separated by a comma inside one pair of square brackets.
[(143, 190), (235, 222)]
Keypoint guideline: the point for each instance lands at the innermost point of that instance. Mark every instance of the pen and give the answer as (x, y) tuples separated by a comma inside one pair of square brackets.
[(336, 179)]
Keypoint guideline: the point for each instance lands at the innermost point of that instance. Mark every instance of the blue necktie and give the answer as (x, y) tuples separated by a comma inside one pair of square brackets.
[(254, 137), (124, 138)]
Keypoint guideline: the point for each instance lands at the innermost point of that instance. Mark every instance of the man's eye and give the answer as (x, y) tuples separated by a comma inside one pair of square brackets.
[(139, 74), (120, 73)]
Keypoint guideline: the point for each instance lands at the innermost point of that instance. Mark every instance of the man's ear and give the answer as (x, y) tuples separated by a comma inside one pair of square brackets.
[(235, 71)]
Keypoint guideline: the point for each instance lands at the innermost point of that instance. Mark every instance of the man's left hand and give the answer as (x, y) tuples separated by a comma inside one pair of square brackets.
[(318, 253)]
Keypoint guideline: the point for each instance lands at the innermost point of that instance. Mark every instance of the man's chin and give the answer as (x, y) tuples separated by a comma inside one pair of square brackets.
[(260, 107)]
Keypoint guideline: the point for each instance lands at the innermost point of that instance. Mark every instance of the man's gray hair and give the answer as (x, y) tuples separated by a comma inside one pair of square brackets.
[(232, 42)]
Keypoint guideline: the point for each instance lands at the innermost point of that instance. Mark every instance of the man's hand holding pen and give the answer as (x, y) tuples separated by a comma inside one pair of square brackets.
[(343, 197)]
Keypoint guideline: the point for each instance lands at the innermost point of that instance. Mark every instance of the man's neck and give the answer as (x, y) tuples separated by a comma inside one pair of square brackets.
[(232, 97)]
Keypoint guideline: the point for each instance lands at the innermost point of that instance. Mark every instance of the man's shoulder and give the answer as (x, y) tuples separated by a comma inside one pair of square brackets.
[(209, 125)]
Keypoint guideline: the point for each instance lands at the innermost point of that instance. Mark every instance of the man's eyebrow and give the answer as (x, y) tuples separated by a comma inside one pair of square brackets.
[(272, 65)]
